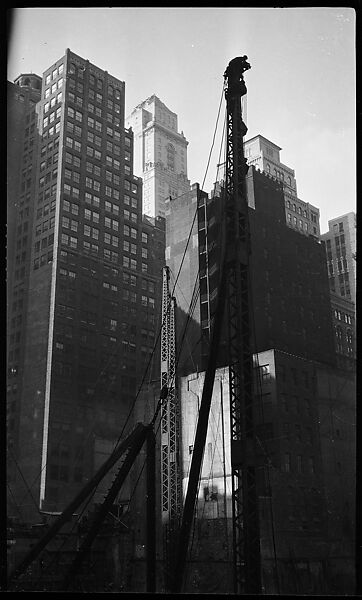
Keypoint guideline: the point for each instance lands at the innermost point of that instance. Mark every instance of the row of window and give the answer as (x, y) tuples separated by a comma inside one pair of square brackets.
[(54, 74), (45, 242), (51, 175), (108, 255), (342, 316), (49, 146), (340, 349), (294, 221), (338, 239), (295, 209), (51, 131), (51, 118), (51, 160), (277, 174), (94, 81), (53, 88), (108, 206), (337, 227), (77, 100), (43, 260), (300, 465), (344, 288), (342, 266), (41, 227), (339, 334), (130, 279), (74, 160)]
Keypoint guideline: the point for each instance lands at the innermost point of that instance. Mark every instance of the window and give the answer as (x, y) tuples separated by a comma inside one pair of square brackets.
[(265, 373)]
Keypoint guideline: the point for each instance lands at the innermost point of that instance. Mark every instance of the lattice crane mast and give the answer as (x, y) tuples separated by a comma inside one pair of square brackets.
[(246, 536), (170, 426), (233, 297)]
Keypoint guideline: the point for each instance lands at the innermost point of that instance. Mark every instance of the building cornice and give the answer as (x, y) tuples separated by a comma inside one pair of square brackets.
[(155, 125)]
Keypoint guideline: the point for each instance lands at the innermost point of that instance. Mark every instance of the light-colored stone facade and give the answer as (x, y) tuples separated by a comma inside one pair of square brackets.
[(340, 242), (160, 154)]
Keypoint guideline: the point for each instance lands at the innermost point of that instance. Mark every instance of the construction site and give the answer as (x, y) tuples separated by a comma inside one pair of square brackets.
[(220, 482)]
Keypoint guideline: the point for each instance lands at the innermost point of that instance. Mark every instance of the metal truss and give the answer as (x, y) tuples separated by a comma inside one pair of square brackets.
[(170, 427), (246, 537)]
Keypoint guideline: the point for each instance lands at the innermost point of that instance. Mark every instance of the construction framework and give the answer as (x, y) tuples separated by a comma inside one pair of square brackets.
[(170, 427), (232, 302), (246, 536)]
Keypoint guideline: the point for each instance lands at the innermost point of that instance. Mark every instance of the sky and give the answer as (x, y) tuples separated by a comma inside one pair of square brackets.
[(301, 85)]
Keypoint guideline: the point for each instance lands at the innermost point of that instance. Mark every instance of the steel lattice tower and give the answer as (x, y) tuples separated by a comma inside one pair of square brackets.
[(170, 426), (246, 537)]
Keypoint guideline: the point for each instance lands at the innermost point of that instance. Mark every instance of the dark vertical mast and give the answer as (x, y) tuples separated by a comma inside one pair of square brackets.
[(170, 429), (246, 537)]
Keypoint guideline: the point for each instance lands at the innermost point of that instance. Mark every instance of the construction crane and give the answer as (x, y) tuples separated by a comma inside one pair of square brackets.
[(233, 300), (170, 427), (246, 535)]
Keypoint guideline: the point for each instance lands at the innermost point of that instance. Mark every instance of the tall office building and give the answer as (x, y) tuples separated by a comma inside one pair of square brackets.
[(294, 363), (22, 148), (265, 156), (160, 154), (290, 299), (82, 326), (340, 244), (340, 240)]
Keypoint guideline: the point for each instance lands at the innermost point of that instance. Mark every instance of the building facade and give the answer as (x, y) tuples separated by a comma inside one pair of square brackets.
[(291, 300), (293, 338), (340, 240), (265, 156), (93, 291), (344, 321), (22, 148), (306, 520), (160, 154)]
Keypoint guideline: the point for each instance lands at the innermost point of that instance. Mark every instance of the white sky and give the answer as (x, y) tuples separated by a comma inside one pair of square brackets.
[(301, 86)]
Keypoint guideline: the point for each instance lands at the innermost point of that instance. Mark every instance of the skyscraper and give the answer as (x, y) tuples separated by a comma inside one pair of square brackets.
[(160, 154), (294, 367), (90, 302), (265, 156), (340, 245), (289, 298)]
